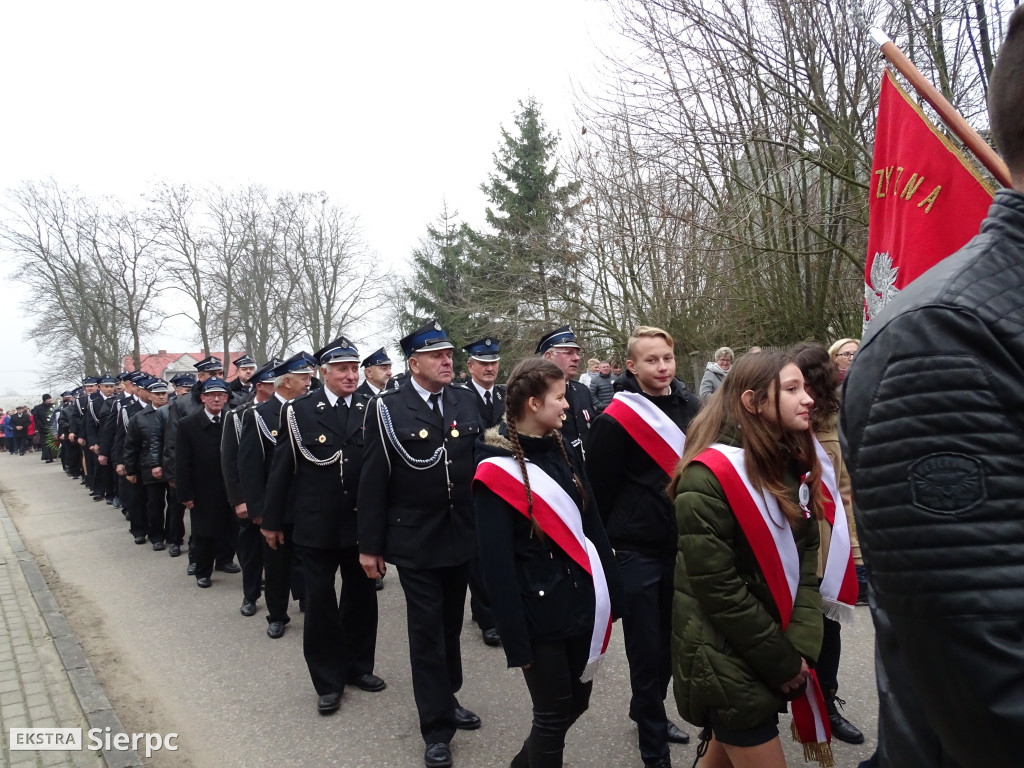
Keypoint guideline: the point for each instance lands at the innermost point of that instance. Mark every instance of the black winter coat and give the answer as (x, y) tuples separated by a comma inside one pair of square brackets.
[(537, 591), (931, 430), (199, 474), (138, 445), (629, 486)]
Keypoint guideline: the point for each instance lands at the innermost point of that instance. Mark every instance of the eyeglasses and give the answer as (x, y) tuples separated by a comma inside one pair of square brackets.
[(846, 354)]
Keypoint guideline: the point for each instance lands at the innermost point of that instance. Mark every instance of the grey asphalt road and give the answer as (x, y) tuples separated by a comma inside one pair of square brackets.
[(177, 659)]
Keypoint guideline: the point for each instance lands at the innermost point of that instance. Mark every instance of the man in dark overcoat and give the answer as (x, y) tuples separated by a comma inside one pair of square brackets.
[(200, 478), (561, 347)]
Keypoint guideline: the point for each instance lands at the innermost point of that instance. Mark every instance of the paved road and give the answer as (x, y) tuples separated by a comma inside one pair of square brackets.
[(175, 658)]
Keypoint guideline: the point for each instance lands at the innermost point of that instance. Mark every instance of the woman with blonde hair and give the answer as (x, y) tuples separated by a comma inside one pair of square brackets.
[(842, 353)]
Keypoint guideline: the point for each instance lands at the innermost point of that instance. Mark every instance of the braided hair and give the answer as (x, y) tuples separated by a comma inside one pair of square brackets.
[(532, 378)]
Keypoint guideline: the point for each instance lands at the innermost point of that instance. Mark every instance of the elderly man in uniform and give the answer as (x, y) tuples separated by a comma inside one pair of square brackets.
[(415, 511), (314, 484), (560, 347), (200, 478), (377, 370), (484, 357), (183, 406), (140, 467), (250, 540), (242, 385), (261, 428)]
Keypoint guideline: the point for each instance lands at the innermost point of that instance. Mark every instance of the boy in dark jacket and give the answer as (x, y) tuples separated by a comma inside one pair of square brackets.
[(629, 465)]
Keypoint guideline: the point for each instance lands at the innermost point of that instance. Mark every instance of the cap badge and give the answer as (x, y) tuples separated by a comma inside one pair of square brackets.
[(437, 326)]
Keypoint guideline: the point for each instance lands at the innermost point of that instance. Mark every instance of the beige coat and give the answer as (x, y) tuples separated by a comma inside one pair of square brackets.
[(829, 439)]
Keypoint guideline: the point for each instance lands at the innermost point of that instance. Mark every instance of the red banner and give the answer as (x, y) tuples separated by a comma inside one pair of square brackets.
[(926, 199)]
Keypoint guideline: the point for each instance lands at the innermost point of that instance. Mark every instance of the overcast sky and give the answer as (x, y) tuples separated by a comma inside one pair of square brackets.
[(392, 108)]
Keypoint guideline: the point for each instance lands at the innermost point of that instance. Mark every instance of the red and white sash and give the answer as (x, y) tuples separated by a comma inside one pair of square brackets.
[(771, 537), (839, 583), (559, 517), (650, 427)]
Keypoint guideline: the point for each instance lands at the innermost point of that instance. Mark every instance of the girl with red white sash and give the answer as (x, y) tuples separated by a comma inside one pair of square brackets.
[(837, 554), (544, 557), (747, 621)]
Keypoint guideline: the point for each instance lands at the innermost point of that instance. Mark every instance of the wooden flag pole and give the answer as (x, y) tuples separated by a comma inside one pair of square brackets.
[(952, 119)]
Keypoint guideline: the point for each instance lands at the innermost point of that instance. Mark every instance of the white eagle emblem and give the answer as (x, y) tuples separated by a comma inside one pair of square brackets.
[(882, 288)]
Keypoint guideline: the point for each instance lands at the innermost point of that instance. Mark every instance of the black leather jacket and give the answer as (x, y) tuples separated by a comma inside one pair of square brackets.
[(933, 411)]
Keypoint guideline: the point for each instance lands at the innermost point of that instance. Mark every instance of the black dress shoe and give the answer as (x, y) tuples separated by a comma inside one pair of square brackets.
[(465, 720), (491, 636), (174, 550), (116, 502), (677, 735), (140, 539), (97, 498), (275, 629), (204, 581), (229, 568), (110, 502), (368, 682), (159, 546), (842, 728), (248, 608), (191, 570), (328, 703), (437, 755), (378, 583)]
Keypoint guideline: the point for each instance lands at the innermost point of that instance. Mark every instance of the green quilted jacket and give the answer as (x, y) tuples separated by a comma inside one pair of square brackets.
[(729, 653)]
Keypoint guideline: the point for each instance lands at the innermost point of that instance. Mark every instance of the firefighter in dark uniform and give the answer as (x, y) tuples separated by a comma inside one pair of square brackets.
[(560, 347), (96, 414), (70, 455), (250, 540), (241, 386), (261, 429), (484, 357), (416, 513), (314, 485), (377, 373)]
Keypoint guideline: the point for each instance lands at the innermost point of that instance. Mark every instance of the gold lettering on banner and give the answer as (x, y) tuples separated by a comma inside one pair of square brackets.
[(912, 186), (910, 189), (929, 201)]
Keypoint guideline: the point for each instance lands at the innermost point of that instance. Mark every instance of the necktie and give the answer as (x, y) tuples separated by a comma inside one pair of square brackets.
[(342, 409), (216, 420), (435, 404), (487, 398)]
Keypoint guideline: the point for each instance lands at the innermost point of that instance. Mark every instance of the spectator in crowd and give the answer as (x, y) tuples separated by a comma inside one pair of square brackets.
[(41, 422), (602, 386), (842, 353), (4, 431), (715, 372), (593, 366), (616, 371), (21, 421)]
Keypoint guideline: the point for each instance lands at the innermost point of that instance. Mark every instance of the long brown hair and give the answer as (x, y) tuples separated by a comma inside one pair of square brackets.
[(766, 447), (821, 381), (533, 377)]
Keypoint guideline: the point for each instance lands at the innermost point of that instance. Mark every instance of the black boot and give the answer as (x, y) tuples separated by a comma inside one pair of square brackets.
[(842, 728)]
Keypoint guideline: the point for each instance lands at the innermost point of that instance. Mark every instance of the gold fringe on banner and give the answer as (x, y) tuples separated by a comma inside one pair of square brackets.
[(814, 751)]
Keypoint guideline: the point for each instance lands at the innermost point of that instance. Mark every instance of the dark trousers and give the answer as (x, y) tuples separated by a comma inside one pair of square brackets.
[(103, 485), (339, 636), (827, 668), (44, 443), (133, 504), (19, 445), (175, 525), (559, 698), (156, 505), (90, 468), (435, 603), (71, 455), (205, 549), (647, 634), (479, 604), (282, 574), (250, 558)]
